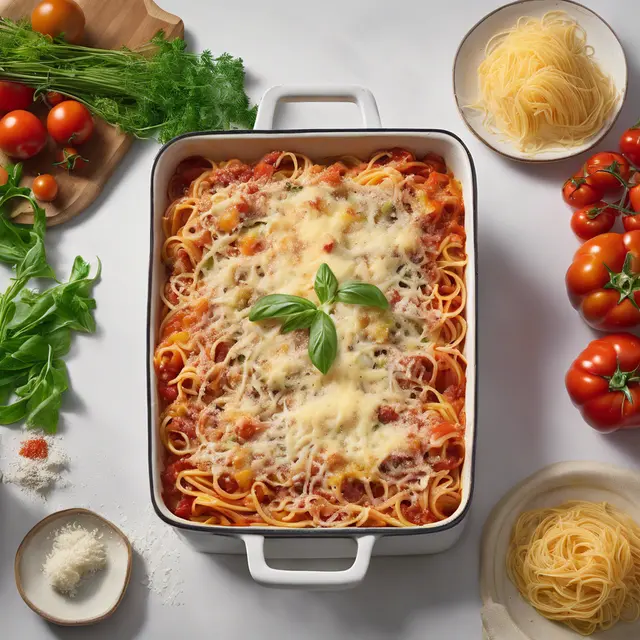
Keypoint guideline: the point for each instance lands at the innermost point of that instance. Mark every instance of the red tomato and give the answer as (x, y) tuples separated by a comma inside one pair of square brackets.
[(604, 167), (630, 144), (22, 135), (634, 198), (629, 221), (603, 281), (59, 17), (69, 159), (592, 220), (52, 98), (45, 188), (183, 508), (603, 382), (4, 176), (580, 191), (70, 122), (14, 95)]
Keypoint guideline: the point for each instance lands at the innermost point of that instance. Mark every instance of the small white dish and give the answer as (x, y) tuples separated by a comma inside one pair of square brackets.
[(506, 616), (608, 53), (98, 596)]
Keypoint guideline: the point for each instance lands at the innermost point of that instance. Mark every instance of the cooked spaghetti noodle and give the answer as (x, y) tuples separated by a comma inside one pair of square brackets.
[(540, 86), (578, 563), (254, 434)]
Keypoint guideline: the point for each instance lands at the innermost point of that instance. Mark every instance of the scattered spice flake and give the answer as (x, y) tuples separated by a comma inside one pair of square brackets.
[(37, 476), (35, 448)]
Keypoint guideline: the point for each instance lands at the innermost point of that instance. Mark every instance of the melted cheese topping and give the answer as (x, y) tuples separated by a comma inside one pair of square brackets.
[(366, 233)]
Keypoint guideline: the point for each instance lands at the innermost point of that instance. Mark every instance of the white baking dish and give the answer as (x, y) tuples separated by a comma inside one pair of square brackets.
[(318, 144)]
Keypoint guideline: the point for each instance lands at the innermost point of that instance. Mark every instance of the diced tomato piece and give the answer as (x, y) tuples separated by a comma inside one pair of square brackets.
[(352, 490), (221, 351), (416, 514), (183, 508), (168, 391), (246, 429), (328, 246), (227, 483), (387, 414), (333, 173), (263, 170)]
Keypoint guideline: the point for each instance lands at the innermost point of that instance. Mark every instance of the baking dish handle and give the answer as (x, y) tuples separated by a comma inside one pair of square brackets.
[(263, 574), (338, 93)]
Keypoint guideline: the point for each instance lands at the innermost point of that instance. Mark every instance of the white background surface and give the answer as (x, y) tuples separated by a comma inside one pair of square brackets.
[(528, 332)]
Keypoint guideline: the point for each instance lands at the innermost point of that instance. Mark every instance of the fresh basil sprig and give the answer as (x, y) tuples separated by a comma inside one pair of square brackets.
[(300, 313)]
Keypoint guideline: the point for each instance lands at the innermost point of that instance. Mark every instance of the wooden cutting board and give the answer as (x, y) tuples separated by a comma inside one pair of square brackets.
[(110, 24)]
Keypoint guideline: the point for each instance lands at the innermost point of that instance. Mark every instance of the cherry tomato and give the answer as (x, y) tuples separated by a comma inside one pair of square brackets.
[(69, 159), (52, 98), (22, 135), (603, 383), (59, 17), (14, 95), (632, 222), (634, 198), (4, 176), (600, 164), (630, 144), (70, 122), (45, 188), (603, 281), (580, 191), (592, 220)]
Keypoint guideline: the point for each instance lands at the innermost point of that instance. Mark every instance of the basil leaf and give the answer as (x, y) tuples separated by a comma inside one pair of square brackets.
[(302, 320), (362, 293), (326, 284), (323, 342), (279, 305)]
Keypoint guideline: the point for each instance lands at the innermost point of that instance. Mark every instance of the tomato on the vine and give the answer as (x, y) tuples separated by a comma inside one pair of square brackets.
[(630, 221), (69, 159), (603, 168), (14, 95), (22, 135), (70, 123), (45, 187), (630, 144), (580, 191), (604, 382), (52, 98), (603, 281), (592, 220)]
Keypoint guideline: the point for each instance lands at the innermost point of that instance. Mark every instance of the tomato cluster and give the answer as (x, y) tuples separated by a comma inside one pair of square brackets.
[(603, 283), (23, 135)]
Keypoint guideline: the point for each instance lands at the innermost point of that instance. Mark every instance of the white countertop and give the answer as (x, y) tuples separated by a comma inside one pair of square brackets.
[(528, 334)]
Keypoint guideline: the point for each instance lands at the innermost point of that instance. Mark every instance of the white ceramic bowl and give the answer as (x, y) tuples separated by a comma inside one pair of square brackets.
[(608, 53), (98, 597), (506, 616)]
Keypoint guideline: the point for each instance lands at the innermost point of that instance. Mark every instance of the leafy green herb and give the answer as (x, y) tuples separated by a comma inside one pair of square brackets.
[(159, 90), (302, 320), (292, 188), (35, 328), (362, 293), (323, 342), (326, 284), (279, 305), (300, 313)]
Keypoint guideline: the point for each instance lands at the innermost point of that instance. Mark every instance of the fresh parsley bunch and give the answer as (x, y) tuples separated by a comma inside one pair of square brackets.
[(159, 90), (300, 313), (35, 328)]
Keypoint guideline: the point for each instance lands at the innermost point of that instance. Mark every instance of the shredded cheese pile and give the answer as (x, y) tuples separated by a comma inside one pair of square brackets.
[(76, 553)]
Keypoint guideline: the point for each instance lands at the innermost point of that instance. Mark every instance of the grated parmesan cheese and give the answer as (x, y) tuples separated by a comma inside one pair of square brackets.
[(76, 553)]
